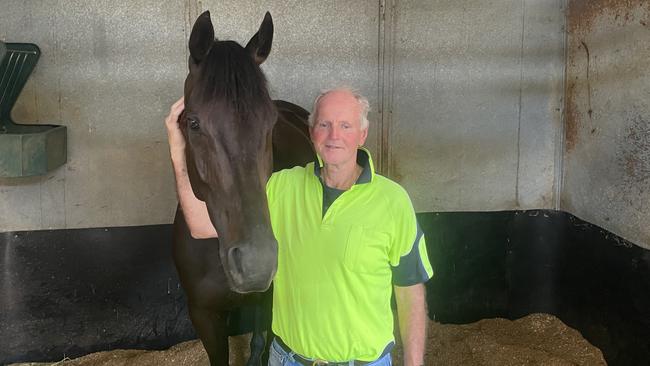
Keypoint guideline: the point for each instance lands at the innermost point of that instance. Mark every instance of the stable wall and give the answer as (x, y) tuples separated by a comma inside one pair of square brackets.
[(607, 157), (466, 111), (59, 298), (464, 97), (476, 103), (109, 73)]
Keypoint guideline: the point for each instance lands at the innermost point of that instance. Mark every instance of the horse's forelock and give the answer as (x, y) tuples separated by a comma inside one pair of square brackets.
[(229, 74)]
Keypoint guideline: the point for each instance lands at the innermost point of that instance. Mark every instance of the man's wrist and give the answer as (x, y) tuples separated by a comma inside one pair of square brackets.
[(178, 158)]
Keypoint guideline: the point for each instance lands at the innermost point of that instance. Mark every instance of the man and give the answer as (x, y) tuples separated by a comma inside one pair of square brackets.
[(346, 238)]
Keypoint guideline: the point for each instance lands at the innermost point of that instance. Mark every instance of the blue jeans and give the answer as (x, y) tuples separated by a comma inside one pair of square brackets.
[(279, 357)]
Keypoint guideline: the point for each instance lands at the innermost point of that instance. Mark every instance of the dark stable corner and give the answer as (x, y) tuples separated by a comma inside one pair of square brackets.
[(512, 263)]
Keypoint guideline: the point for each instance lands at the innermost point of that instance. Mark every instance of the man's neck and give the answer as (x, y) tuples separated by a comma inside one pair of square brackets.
[(341, 177)]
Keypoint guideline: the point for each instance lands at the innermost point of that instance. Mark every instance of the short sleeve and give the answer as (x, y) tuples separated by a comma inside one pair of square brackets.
[(408, 256)]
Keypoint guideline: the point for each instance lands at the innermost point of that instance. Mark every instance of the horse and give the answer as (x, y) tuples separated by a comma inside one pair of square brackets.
[(236, 135)]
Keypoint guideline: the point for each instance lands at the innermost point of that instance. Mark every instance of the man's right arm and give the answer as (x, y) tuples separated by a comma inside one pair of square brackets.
[(194, 210)]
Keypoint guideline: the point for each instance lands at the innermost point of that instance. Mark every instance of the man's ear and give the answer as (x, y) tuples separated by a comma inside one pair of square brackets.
[(364, 136), (259, 47), (202, 37)]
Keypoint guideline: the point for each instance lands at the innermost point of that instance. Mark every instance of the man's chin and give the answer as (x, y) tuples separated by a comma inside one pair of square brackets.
[(333, 160), (335, 156)]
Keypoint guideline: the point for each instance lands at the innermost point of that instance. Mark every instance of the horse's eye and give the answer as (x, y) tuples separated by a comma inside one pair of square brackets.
[(194, 123)]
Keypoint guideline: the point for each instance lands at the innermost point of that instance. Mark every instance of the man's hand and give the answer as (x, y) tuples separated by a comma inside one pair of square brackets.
[(194, 210), (174, 134)]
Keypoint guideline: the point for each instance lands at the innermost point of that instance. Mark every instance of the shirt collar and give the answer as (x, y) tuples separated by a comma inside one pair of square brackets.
[(364, 159)]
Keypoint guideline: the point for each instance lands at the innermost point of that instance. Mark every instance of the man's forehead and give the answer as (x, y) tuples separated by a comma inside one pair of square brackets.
[(339, 95), (338, 102)]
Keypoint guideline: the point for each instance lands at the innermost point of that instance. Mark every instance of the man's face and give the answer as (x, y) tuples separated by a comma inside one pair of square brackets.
[(337, 131)]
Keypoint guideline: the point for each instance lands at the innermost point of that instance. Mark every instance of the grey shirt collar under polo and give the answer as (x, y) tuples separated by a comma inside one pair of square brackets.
[(331, 194), (362, 159)]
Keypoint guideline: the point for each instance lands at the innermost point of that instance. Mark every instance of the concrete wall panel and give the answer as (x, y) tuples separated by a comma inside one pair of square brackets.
[(607, 159), (110, 72), (477, 91), (541, 101), (316, 45), (470, 122)]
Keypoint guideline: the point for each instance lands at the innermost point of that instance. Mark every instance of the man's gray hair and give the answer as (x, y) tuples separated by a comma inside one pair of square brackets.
[(363, 103)]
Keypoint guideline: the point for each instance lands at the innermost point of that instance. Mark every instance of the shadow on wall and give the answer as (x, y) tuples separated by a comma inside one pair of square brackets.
[(512, 263)]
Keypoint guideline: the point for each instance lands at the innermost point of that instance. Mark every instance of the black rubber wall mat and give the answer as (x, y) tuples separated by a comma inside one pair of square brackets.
[(65, 293), (72, 292), (512, 263)]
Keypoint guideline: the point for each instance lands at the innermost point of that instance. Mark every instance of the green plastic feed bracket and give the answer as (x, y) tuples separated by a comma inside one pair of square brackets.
[(25, 150)]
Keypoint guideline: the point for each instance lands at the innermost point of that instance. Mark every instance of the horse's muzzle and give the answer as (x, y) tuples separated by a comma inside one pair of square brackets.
[(250, 267)]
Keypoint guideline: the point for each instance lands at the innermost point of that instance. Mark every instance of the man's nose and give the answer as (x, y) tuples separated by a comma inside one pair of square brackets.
[(334, 132)]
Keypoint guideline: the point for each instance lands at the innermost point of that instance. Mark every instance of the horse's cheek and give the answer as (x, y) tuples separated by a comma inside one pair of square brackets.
[(202, 170)]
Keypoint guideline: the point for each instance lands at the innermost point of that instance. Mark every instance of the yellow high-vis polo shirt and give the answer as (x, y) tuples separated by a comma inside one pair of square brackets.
[(336, 267)]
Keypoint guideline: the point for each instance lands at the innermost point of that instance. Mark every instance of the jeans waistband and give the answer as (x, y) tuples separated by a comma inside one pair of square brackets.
[(311, 362)]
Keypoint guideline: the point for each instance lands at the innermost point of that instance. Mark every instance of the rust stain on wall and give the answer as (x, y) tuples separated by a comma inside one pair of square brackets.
[(572, 118), (581, 14), (581, 17), (635, 155)]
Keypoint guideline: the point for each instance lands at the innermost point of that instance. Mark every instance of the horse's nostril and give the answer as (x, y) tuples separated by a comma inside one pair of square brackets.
[(236, 258), (249, 269)]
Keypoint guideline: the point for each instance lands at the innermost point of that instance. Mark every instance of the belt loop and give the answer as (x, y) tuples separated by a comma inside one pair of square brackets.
[(291, 354)]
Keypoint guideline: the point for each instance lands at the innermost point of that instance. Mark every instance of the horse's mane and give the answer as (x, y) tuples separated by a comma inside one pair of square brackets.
[(230, 75)]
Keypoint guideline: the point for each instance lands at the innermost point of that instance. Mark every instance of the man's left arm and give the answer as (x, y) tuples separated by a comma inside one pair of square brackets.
[(412, 318), (411, 269)]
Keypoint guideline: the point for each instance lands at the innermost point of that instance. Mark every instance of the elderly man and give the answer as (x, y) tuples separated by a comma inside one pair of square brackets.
[(346, 238)]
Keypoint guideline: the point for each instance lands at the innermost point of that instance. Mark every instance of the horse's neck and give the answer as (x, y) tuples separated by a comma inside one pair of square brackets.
[(293, 115), (291, 143)]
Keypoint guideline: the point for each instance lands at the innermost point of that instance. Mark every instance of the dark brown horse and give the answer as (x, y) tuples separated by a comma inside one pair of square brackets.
[(230, 126)]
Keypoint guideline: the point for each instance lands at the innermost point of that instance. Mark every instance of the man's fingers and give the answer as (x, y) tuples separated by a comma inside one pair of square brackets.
[(179, 104), (175, 111)]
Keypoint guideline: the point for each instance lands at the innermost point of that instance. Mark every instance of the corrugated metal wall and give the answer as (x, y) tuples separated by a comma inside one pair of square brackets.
[(476, 103), (108, 72), (466, 96), (607, 159)]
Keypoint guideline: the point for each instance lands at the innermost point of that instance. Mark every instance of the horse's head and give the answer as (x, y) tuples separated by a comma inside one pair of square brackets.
[(228, 122)]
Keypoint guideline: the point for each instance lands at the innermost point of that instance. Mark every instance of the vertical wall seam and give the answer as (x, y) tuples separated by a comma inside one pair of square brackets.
[(41, 181), (380, 85), (384, 134), (521, 85), (560, 137), (387, 20), (186, 17), (64, 168), (186, 22), (40, 201), (390, 75)]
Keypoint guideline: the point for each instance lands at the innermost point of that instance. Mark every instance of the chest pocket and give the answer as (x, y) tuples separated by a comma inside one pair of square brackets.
[(366, 250)]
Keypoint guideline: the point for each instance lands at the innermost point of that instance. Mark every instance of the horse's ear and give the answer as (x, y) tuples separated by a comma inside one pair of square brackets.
[(202, 37), (260, 45)]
